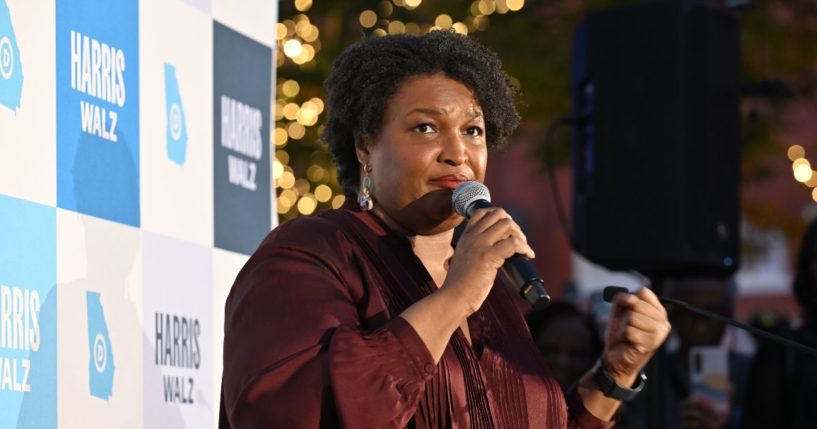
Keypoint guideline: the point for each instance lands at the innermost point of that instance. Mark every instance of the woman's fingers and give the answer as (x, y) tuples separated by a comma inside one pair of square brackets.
[(638, 327), (495, 227)]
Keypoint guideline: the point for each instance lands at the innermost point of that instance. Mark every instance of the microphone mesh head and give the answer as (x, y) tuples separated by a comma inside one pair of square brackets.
[(466, 194)]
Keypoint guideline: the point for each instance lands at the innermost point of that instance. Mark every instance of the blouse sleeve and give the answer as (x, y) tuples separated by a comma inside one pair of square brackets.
[(296, 355)]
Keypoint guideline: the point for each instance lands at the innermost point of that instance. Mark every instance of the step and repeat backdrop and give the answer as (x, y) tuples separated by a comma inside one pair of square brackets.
[(134, 183)]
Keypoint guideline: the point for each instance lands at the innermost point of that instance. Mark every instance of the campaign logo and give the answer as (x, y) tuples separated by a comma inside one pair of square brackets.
[(178, 357), (28, 328), (11, 70), (98, 109), (176, 125), (242, 73), (101, 364), (177, 346)]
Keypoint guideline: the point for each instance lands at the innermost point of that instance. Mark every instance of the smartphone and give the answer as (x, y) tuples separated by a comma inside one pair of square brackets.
[(709, 377)]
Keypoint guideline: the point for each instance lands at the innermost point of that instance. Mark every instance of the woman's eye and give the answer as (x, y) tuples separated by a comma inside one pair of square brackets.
[(474, 131), (424, 128)]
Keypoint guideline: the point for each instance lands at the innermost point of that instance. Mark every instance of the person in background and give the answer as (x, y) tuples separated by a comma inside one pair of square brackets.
[(680, 409), (782, 385), (568, 340)]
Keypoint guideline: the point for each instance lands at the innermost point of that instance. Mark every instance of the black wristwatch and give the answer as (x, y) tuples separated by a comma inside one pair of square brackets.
[(611, 389)]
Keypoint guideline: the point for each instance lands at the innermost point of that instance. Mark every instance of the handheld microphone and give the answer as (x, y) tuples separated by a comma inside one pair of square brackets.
[(611, 291), (470, 196)]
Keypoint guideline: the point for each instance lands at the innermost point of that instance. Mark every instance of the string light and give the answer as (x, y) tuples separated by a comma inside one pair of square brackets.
[(290, 196), (280, 31), (291, 111), (515, 5), (486, 7), (443, 21), (367, 19), (279, 110), (290, 88), (386, 8), (315, 173), (796, 151), (292, 48), (277, 169), (287, 179), (802, 170), (812, 182), (280, 137), (296, 131), (307, 204), (798, 162), (303, 5), (338, 201), (396, 27), (302, 186), (323, 193), (282, 156)]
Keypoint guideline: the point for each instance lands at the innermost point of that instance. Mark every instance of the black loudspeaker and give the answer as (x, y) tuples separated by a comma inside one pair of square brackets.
[(656, 145)]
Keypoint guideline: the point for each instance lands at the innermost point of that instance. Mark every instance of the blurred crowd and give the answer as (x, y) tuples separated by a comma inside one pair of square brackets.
[(709, 377)]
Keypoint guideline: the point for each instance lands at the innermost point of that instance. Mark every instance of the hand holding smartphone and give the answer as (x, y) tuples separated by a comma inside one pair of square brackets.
[(709, 378)]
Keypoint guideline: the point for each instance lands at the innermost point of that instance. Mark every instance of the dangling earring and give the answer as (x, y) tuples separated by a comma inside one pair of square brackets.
[(364, 198)]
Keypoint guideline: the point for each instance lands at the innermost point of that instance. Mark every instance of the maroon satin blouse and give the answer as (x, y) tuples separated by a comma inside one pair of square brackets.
[(313, 340)]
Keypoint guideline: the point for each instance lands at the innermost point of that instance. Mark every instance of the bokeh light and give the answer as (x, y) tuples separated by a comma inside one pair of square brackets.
[(796, 151), (303, 5), (515, 5), (280, 137), (292, 48), (307, 204), (367, 19), (802, 173), (296, 131), (290, 88), (323, 193), (443, 21), (338, 201)]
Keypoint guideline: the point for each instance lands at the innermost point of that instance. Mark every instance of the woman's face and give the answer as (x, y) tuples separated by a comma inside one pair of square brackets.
[(431, 140)]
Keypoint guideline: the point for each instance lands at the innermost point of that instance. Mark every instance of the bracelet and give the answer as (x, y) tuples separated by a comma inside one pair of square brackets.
[(611, 389)]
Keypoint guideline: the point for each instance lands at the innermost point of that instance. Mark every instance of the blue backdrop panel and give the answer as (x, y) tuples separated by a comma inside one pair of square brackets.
[(242, 70), (98, 108), (28, 330)]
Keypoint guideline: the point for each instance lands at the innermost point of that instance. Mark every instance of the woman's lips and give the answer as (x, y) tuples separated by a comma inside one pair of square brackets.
[(450, 181)]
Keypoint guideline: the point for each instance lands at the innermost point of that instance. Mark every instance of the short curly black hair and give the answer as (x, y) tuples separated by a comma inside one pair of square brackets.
[(366, 75)]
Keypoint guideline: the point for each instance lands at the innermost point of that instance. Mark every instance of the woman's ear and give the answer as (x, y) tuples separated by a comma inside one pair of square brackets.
[(362, 150)]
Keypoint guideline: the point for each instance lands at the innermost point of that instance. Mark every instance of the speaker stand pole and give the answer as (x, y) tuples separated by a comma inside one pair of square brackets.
[(655, 371)]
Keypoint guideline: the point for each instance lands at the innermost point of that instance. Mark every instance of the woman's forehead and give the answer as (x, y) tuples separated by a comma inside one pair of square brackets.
[(435, 93)]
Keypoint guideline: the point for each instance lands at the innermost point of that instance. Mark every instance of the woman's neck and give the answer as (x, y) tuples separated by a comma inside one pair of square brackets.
[(433, 250)]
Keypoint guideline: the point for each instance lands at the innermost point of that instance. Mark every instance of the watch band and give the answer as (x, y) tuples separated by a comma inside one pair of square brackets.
[(611, 389)]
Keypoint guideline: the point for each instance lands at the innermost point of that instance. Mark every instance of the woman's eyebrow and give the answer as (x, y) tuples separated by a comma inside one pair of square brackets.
[(471, 114)]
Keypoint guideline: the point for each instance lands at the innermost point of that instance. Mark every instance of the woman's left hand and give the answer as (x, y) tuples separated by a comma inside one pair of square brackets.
[(638, 326)]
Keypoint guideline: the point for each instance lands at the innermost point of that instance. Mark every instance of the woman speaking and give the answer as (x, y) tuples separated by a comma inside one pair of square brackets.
[(367, 316)]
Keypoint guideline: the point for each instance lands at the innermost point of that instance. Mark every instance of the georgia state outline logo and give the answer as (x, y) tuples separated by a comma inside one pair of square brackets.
[(11, 70)]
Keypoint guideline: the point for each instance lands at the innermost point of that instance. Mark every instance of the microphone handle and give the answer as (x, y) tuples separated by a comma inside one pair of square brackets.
[(611, 291), (521, 274), (518, 270)]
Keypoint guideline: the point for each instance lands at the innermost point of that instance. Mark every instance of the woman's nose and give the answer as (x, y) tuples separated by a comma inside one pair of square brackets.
[(454, 151)]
